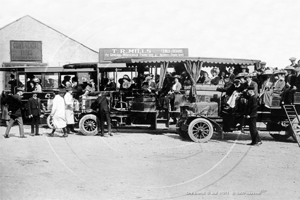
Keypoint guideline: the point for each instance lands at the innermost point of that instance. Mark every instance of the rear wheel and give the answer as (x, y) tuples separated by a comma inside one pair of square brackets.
[(200, 130), (279, 137), (296, 127), (88, 125)]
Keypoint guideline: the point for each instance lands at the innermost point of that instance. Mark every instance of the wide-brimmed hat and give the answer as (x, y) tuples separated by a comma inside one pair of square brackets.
[(126, 77), (268, 72), (20, 89), (289, 68), (297, 69), (263, 63), (241, 75), (36, 80), (237, 80), (177, 76), (292, 59), (279, 72), (148, 78)]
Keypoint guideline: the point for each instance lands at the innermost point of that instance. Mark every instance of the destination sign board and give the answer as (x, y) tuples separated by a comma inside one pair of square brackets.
[(26, 51), (107, 54)]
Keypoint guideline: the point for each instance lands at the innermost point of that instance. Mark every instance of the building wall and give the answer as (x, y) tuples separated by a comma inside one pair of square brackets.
[(57, 49)]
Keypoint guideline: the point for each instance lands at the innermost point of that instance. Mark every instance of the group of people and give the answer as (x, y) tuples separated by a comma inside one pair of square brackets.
[(62, 112), (248, 91)]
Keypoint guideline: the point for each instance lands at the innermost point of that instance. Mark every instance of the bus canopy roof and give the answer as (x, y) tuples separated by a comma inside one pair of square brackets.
[(205, 60)]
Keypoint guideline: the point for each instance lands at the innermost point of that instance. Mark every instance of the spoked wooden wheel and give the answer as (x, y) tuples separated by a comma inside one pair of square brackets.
[(88, 124), (200, 130), (296, 133), (49, 122)]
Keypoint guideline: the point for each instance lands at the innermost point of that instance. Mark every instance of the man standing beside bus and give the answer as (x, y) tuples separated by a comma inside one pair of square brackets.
[(251, 115), (14, 110), (102, 106), (34, 110)]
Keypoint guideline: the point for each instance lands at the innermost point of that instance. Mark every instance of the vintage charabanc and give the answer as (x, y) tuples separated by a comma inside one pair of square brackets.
[(137, 107), (199, 125)]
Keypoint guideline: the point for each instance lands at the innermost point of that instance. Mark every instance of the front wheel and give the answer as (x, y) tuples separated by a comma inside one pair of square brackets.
[(49, 122), (296, 127), (88, 125), (200, 130)]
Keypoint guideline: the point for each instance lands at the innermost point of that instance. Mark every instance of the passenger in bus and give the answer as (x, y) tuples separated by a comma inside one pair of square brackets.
[(215, 78), (297, 79), (49, 83), (92, 85), (222, 77), (276, 89), (175, 95), (125, 82), (244, 69), (250, 83), (290, 79), (37, 85), (293, 62), (111, 85), (30, 86), (231, 74), (66, 82), (266, 86), (14, 84), (259, 72), (234, 91), (201, 77), (149, 85), (74, 82)]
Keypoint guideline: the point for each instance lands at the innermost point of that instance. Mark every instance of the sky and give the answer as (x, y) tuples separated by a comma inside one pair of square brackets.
[(267, 30)]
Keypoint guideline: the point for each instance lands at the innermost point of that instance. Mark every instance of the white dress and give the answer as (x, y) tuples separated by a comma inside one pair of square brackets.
[(58, 112), (69, 108)]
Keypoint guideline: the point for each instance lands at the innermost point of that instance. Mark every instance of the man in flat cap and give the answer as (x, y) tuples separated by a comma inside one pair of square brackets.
[(251, 115), (14, 110)]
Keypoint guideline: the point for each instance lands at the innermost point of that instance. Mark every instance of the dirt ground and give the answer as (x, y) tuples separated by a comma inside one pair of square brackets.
[(146, 166)]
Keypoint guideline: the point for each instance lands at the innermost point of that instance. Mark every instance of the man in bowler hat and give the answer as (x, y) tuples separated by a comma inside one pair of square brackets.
[(35, 112)]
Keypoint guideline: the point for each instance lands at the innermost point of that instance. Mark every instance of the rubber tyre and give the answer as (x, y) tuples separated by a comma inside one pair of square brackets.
[(88, 125), (297, 127), (200, 130), (49, 122), (278, 137)]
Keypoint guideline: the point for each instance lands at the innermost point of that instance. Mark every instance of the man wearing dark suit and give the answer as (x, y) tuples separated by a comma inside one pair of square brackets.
[(101, 105), (297, 80), (34, 111), (14, 110), (251, 115), (250, 83)]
